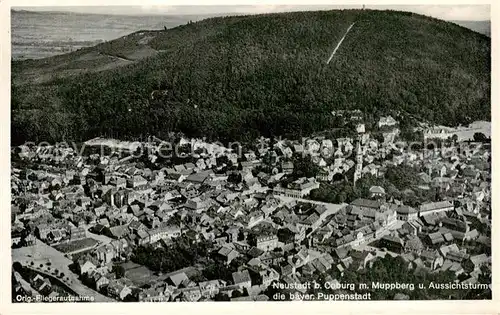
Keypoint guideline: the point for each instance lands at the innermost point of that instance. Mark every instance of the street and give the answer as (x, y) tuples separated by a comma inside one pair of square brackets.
[(41, 253)]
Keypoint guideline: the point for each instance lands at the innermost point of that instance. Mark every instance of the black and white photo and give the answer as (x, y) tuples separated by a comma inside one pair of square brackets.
[(250, 153)]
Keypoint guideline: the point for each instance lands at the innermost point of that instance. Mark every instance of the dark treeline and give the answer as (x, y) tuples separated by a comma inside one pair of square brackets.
[(236, 78)]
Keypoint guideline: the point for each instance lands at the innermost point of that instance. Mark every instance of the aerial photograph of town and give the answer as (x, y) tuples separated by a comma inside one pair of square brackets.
[(250, 153)]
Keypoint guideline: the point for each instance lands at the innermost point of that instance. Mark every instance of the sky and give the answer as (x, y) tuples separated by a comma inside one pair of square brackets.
[(444, 12)]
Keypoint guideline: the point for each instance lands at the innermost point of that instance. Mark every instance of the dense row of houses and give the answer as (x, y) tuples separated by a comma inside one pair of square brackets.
[(277, 239)]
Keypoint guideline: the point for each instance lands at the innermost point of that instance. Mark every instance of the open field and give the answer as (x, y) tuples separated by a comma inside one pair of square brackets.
[(76, 245), (139, 274)]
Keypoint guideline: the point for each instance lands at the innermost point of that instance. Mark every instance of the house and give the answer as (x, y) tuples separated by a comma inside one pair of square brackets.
[(30, 240), (116, 198), (41, 284), (360, 259), (136, 181), (290, 234), (377, 192), (247, 166), (448, 237), (431, 220), (164, 232), (136, 226), (414, 245), (272, 258), (100, 281), (298, 148), (370, 169), (78, 220), (392, 243), (323, 264), (99, 211), (312, 221), (386, 121), (227, 254), (198, 178), (55, 235), (250, 156), (366, 204), (360, 128), (431, 259), (189, 166), (118, 182), (287, 167), (267, 242), (200, 164), (341, 253), (297, 189), (242, 279), (457, 227), (84, 202), (189, 294), (155, 294), (90, 217), (263, 276), (86, 265), (78, 233), (42, 231), (406, 213), (457, 256), (152, 222), (232, 233), (477, 261), (178, 278), (435, 207), (196, 204), (435, 238), (445, 249), (106, 253), (178, 169), (211, 288), (118, 290), (471, 235)]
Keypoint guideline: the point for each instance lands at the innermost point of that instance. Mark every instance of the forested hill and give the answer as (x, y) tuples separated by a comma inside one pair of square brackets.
[(234, 78)]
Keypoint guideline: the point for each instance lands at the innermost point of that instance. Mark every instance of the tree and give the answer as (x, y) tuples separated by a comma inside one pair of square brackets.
[(379, 137), (217, 270), (221, 160), (234, 178), (221, 297), (304, 167), (338, 192), (402, 176), (119, 271), (17, 266), (130, 298), (480, 137)]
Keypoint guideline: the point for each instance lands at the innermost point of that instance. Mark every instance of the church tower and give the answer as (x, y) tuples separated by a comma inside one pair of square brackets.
[(359, 161)]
